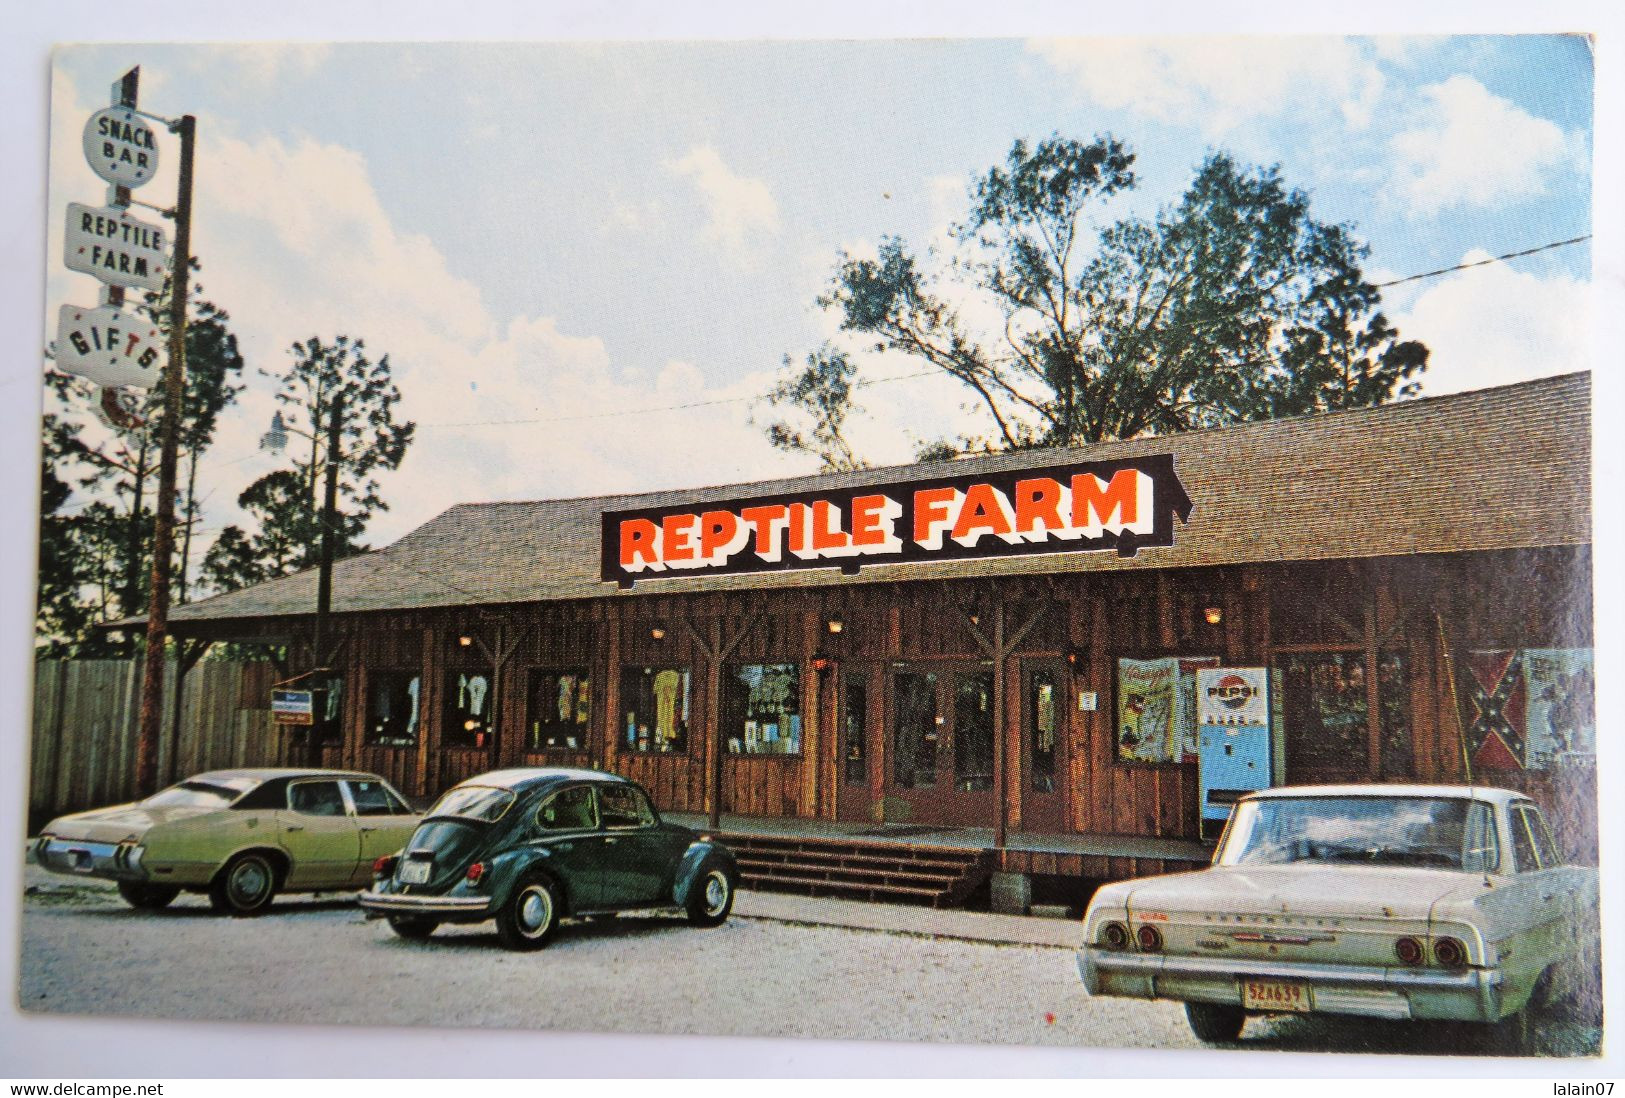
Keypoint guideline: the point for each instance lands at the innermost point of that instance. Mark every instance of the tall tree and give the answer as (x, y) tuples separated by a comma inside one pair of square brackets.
[(820, 394), (1232, 304), (286, 504)]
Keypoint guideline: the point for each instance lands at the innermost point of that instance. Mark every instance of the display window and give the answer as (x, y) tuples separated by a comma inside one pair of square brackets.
[(761, 708), (854, 729), (393, 708), (469, 699), (558, 709)]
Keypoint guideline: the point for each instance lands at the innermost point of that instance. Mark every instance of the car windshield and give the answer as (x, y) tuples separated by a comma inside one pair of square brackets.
[(195, 793), (474, 802), (1442, 832)]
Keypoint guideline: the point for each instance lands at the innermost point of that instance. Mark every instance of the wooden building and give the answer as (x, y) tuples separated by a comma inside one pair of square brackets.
[(1380, 562)]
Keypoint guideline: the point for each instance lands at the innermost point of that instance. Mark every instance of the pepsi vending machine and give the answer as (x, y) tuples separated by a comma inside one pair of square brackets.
[(1235, 751)]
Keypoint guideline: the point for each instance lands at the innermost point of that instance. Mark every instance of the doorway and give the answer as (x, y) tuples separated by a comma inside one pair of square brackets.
[(941, 724)]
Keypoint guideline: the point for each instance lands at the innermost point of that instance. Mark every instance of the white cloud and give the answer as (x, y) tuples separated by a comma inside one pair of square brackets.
[(740, 209), (1473, 148), (1220, 82), (1494, 325), (295, 242)]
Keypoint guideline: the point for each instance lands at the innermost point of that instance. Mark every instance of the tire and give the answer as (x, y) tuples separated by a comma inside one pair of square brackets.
[(527, 919), (245, 886), (1214, 1024), (147, 897), (711, 897), (415, 930)]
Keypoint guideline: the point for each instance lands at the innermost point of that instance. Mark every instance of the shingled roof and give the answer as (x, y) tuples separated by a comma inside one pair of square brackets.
[(1499, 468)]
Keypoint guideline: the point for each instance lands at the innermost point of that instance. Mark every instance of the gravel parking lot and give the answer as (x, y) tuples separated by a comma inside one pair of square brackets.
[(312, 961)]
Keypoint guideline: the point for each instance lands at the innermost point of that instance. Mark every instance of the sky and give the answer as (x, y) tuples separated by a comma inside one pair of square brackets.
[(585, 260)]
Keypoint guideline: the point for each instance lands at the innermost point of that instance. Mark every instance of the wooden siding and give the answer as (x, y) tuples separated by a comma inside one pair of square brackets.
[(1423, 607)]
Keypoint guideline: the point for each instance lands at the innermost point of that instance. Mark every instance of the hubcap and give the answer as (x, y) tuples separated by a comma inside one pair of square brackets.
[(535, 910), (248, 882), (716, 892)]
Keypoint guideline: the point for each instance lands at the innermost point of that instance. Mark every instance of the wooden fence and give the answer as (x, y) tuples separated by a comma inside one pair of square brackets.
[(86, 715)]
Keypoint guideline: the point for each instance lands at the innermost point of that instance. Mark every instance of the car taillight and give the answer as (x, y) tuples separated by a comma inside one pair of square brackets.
[(1450, 953), (1150, 938), (1114, 936), (384, 866), (475, 872), (1409, 951)]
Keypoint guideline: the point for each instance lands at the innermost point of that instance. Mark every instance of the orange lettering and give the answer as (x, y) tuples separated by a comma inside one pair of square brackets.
[(1038, 503), (1121, 496), (676, 532), (982, 511), (763, 518), (639, 543), (717, 531), (931, 509), (867, 513), (826, 527)]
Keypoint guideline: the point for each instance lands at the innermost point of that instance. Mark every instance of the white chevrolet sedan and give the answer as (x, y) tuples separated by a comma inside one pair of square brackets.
[(1427, 902)]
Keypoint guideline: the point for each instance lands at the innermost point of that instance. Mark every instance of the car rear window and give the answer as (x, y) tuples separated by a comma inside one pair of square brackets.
[(197, 794), (1438, 832), (474, 802)]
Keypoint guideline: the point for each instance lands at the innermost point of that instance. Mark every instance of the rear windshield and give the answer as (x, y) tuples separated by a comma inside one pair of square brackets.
[(198, 794), (1446, 833), (474, 802)]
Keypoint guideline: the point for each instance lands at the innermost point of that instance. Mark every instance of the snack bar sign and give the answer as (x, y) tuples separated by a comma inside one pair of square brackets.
[(1118, 505)]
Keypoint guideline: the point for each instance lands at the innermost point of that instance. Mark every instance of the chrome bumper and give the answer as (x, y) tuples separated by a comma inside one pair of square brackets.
[(80, 858), (379, 904), (1464, 995)]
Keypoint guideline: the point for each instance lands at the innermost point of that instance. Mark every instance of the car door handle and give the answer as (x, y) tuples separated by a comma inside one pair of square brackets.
[(610, 839), (367, 830), (296, 827)]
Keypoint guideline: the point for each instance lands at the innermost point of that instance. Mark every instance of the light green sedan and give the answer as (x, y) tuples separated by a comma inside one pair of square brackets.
[(242, 836)]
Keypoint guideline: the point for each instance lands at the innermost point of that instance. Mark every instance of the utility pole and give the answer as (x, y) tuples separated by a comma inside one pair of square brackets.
[(324, 576), (163, 539)]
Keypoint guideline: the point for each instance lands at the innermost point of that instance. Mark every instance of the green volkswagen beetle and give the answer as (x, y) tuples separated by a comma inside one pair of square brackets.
[(242, 836), (529, 847)]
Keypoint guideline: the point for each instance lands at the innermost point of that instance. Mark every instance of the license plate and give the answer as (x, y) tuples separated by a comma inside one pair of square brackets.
[(1274, 995), (415, 873)]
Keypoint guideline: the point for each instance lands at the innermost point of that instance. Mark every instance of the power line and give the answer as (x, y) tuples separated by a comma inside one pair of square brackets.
[(1483, 262), (650, 411), (929, 373)]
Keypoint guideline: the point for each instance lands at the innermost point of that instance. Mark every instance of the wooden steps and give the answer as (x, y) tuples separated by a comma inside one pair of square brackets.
[(856, 869)]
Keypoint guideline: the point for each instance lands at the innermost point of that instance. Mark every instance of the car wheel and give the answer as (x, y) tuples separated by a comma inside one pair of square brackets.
[(413, 929), (147, 897), (528, 917), (245, 886), (1215, 1024), (711, 898)]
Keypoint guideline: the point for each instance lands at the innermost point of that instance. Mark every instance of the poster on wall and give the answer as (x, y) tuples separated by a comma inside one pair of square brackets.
[(1562, 720), (1156, 708)]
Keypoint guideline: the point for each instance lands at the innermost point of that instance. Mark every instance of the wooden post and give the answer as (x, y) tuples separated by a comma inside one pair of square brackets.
[(998, 650), (163, 538)]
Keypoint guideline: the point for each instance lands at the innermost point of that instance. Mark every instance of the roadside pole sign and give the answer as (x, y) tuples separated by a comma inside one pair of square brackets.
[(108, 243), (108, 345), (292, 706), (120, 146)]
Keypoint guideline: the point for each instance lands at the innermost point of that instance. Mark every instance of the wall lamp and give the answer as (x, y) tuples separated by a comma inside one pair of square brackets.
[(657, 632), (1213, 615), (465, 640), (835, 625)]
